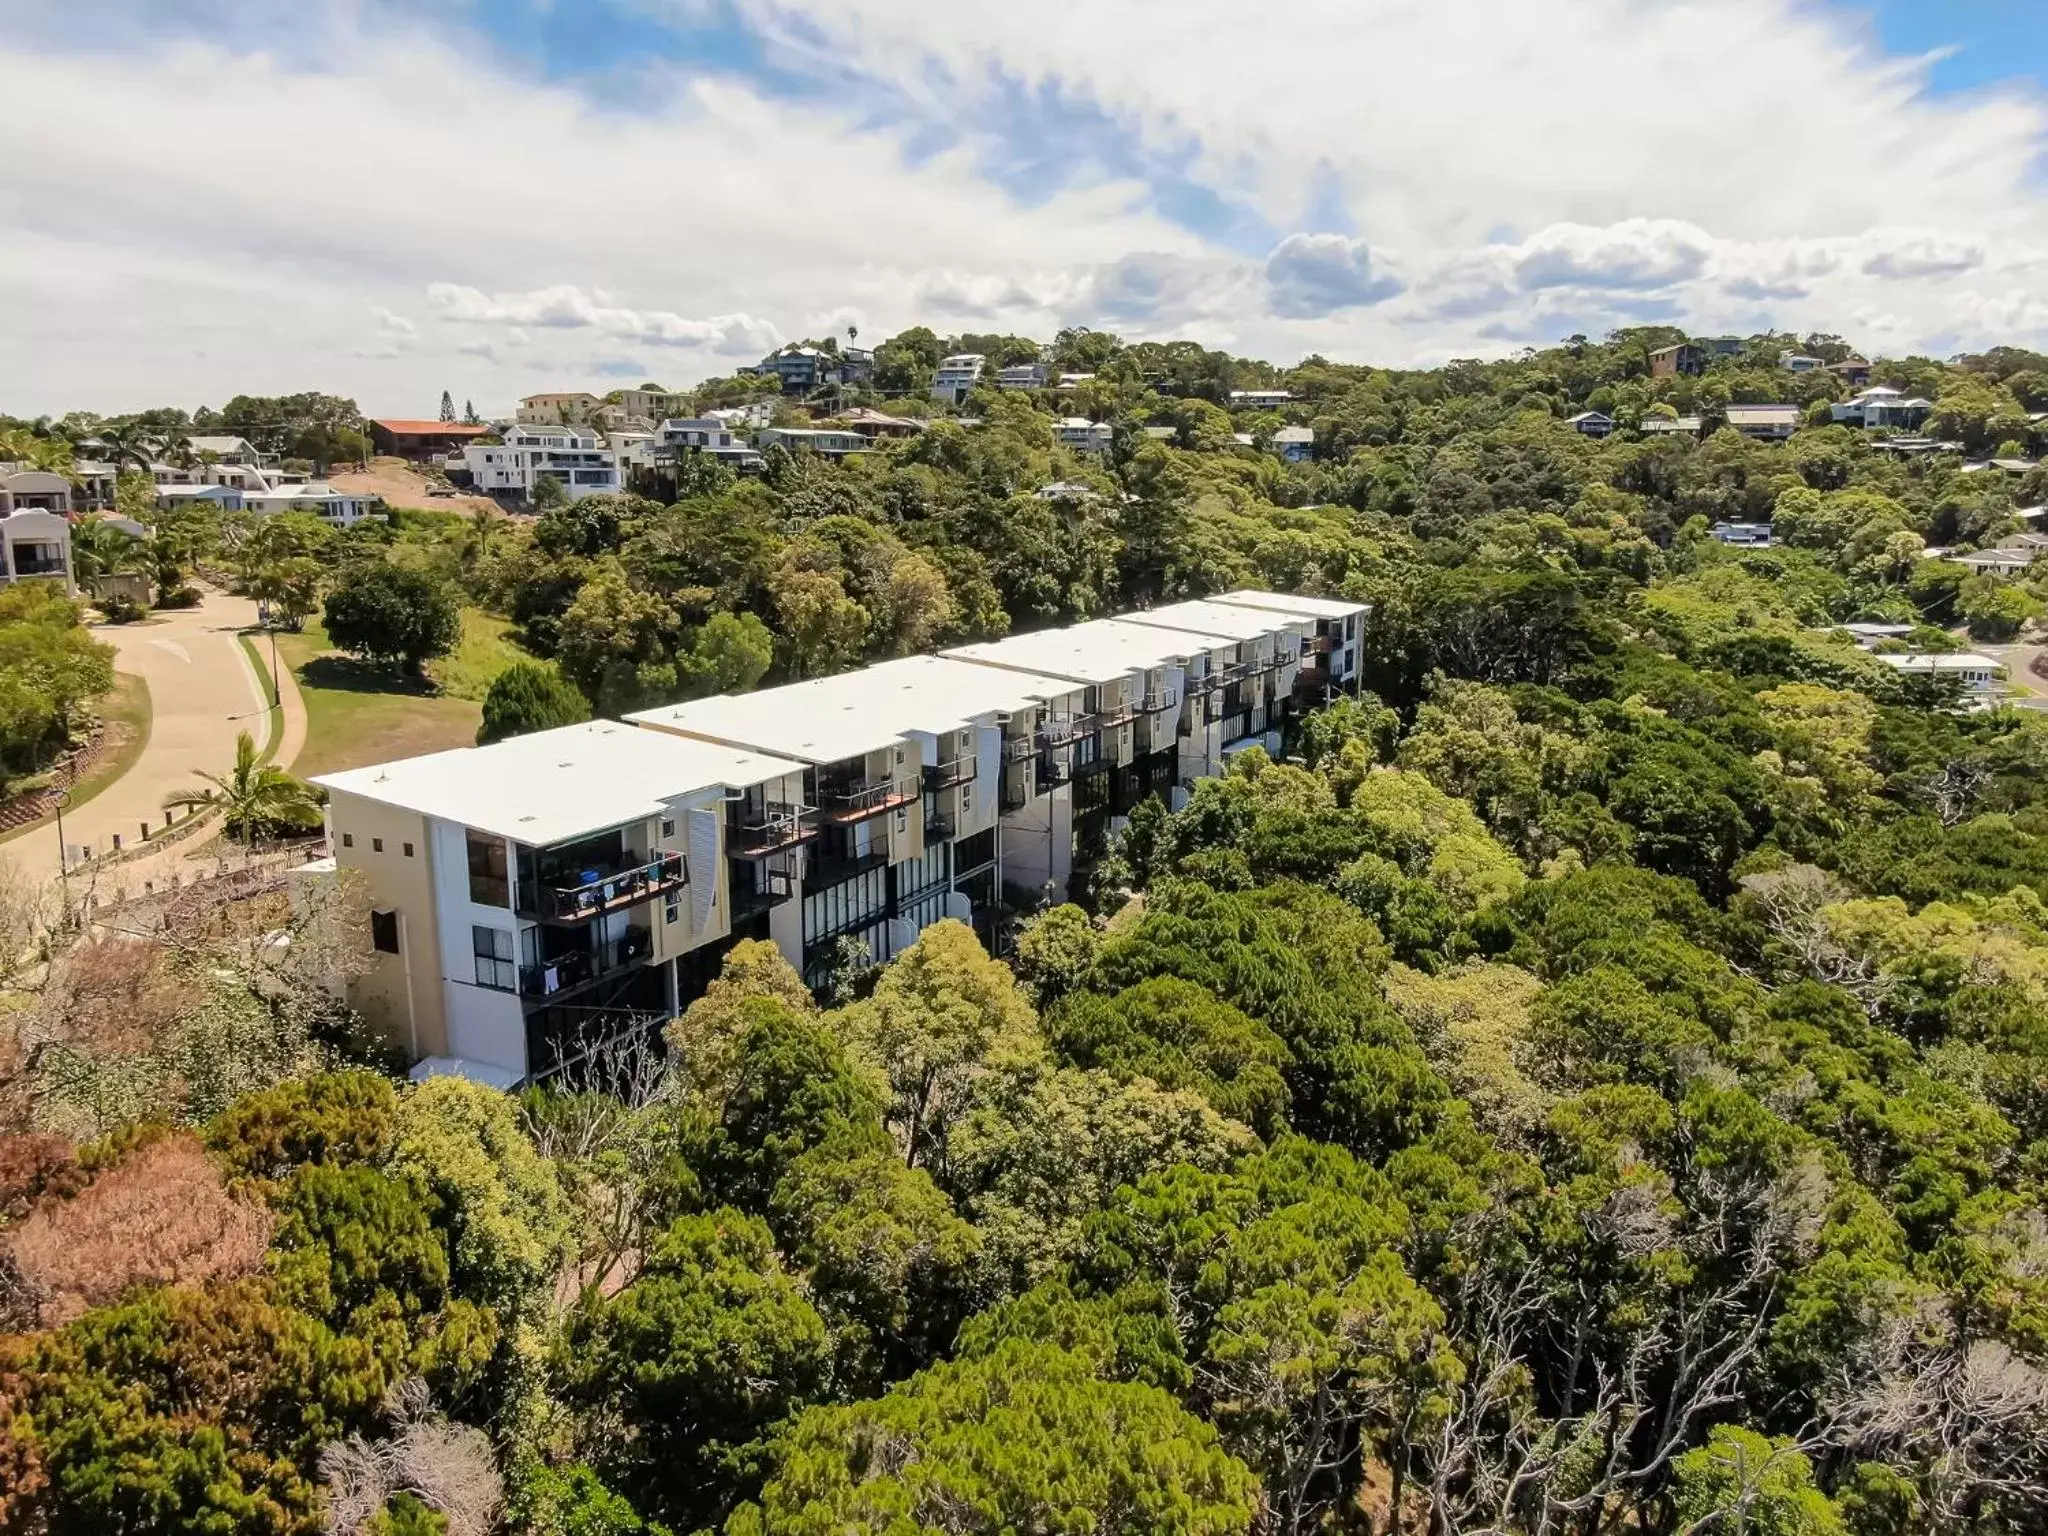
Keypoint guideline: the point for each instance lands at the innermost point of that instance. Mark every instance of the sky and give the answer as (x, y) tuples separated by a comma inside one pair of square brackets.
[(388, 198)]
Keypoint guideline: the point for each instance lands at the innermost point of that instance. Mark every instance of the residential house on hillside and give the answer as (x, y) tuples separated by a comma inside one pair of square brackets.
[(1869, 637), (1021, 376), (222, 498), (1880, 406), (1724, 346), (1766, 423), (802, 369), (956, 377), (740, 418), (1591, 423), (826, 442), (577, 458), (1083, 435), (221, 448), (1296, 445), (1259, 399), (873, 424), (1979, 675), (1683, 357), (1998, 562), (421, 440), (344, 509), (651, 405), (1799, 362), (1854, 372), (670, 442), (1743, 535), (1672, 426), (563, 408)]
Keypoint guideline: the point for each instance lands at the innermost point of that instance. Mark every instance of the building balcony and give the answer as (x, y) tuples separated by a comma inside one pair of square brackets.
[(1053, 769), (582, 967), (865, 798), (1121, 714), (939, 827), (1064, 730), (833, 869), (1320, 645), (1093, 766), (1019, 749), (771, 889), (778, 825), (593, 892), (950, 774), (1158, 699), (1016, 788)]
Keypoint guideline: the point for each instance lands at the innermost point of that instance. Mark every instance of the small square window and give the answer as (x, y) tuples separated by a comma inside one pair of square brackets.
[(408, 850), (348, 839), (668, 826), (671, 907), (376, 845)]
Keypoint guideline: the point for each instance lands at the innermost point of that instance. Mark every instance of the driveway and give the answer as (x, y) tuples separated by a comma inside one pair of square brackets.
[(2026, 688), (203, 693)]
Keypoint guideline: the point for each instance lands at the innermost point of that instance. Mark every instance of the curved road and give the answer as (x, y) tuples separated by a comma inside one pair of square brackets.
[(203, 693)]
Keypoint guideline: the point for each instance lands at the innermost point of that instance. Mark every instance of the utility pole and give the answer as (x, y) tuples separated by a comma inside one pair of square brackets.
[(63, 856)]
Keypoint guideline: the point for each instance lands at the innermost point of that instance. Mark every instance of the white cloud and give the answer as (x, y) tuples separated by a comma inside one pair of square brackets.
[(495, 234), (566, 307), (1312, 275)]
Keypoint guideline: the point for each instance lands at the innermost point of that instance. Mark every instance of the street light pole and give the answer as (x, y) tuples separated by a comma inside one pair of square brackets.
[(63, 856)]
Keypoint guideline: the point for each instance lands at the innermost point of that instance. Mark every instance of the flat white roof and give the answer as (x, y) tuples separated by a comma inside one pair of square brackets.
[(830, 719), (1099, 651), (1943, 661), (1280, 602), (556, 785), (1236, 620)]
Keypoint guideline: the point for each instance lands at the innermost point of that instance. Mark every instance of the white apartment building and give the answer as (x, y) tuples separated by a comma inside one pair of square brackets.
[(579, 459), (226, 498), (535, 896), (35, 545), (1258, 399), (901, 799), (1082, 435), (957, 376), (552, 889), (741, 418), (562, 408), (344, 509)]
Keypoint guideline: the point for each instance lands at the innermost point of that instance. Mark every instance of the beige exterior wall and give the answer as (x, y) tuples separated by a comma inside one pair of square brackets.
[(399, 995)]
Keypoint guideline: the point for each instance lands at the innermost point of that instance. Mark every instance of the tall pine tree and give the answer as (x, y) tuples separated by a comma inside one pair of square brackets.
[(447, 406)]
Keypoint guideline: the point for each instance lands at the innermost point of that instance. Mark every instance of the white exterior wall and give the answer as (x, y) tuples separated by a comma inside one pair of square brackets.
[(484, 1024)]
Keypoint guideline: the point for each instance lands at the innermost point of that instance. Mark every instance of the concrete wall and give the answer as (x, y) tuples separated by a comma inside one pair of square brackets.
[(400, 995)]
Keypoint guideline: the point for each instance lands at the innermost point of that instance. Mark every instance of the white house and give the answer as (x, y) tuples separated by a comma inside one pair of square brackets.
[(706, 435), (577, 458), (1082, 435), (1258, 399), (1882, 406), (32, 490), (957, 377), (1021, 376), (1869, 637), (344, 509), (1799, 362), (1979, 675), (741, 418), (1743, 535), (231, 450), (226, 498), (36, 546)]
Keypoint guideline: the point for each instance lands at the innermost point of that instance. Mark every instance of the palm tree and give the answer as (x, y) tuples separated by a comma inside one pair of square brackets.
[(99, 548), (128, 447), (253, 795)]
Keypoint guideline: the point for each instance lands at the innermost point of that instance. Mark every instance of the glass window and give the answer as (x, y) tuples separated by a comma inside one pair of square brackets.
[(668, 826), (376, 845), (493, 950), (384, 932), (488, 886), (408, 850), (348, 839), (671, 906)]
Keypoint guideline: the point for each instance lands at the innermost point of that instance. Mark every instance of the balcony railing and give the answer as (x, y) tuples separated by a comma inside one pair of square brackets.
[(1158, 699), (580, 967), (955, 771), (1054, 769), (594, 892), (776, 826), (834, 868), (1320, 645), (1064, 730), (939, 827), (1017, 749), (873, 797), (1119, 714), (773, 887)]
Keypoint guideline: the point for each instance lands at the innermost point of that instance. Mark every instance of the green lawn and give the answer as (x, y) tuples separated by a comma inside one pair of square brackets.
[(357, 714), (126, 710)]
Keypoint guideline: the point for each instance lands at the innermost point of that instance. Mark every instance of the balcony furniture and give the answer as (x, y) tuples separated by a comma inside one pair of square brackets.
[(862, 798), (946, 775), (594, 892), (778, 825)]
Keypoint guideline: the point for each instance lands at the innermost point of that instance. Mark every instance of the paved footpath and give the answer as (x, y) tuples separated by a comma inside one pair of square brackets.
[(203, 694)]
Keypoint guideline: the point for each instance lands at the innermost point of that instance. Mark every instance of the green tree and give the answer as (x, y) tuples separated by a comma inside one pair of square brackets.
[(529, 696), (253, 797), (1027, 1436), (393, 615)]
